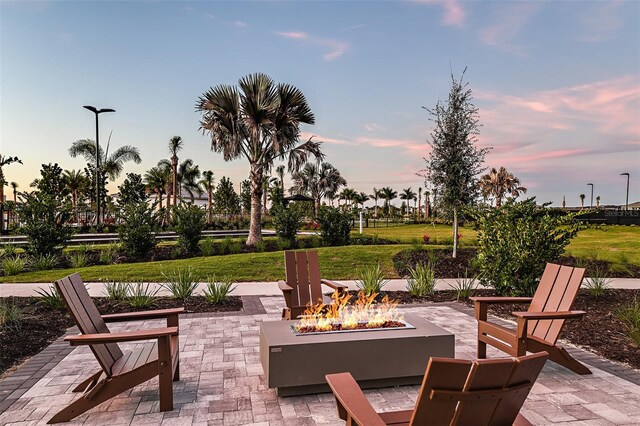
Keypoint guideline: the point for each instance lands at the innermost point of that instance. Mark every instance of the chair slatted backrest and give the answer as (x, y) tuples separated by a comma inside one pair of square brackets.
[(88, 319), (556, 292), (491, 392), (303, 275)]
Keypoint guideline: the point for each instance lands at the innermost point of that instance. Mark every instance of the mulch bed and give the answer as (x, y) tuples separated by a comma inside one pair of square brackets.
[(599, 330), (40, 325)]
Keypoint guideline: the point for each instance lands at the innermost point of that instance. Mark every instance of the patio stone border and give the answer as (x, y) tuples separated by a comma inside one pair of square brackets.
[(19, 381)]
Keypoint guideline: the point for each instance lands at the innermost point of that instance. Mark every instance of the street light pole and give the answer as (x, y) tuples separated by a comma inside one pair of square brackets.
[(627, 199), (591, 202), (97, 111)]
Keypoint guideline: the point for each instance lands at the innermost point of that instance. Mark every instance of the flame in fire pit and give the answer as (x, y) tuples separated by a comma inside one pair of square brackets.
[(363, 313)]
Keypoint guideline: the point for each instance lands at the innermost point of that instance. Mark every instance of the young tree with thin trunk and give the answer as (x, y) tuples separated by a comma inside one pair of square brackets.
[(4, 161), (259, 120), (207, 183), (582, 197), (175, 145), (454, 161), (317, 180)]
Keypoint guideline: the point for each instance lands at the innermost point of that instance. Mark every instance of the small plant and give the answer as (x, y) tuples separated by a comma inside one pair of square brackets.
[(464, 287), (597, 284), (8, 250), (229, 246), (313, 241), (51, 298), (44, 262), (207, 247), (284, 244), (260, 246), (371, 280), (141, 296), (108, 253), (630, 315), (416, 244), (335, 226), (217, 292), (13, 265), (10, 314), (235, 247), (188, 223), (116, 291), (287, 222), (78, 259), (181, 283), (422, 280), (425, 239)]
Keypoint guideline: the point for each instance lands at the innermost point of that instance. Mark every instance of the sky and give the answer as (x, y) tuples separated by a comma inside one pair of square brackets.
[(557, 84)]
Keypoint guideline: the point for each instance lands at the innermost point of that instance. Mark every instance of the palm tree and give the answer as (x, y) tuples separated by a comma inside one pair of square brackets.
[(318, 181), (419, 206), (157, 180), (4, 161), (582, 201), (348, 195), (76, 183), (112, 165), (186, 177), (408, 195), (14, 187), (175, 145), (498, 183), (207, 183), (280, 173), (375, 195), (387, 194), (597, 201), (259, 120), (361, 198), (427, 204)]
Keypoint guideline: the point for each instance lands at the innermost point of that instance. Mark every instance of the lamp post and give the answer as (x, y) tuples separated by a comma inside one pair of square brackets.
[(627, 199), (97, 111), (591, 202)]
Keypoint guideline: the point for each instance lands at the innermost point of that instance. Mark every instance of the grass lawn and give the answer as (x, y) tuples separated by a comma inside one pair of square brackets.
[(410, 233), (335, 263)]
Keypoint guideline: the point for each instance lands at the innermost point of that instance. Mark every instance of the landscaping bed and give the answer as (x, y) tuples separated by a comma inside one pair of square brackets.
[(43, 325)]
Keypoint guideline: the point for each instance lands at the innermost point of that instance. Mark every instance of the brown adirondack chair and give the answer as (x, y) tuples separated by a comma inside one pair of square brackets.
[(303, 283), (120, 372), (537, 329), (453, 392)]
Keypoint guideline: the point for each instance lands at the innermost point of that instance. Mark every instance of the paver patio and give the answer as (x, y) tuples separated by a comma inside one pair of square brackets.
[(222, 382)]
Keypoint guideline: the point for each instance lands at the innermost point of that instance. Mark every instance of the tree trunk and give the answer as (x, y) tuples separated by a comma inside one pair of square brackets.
[(419, 209), (160, 199), (1, 201), (255, 227), (209, 206), (174, 164), (316, 205), (455, 232), (264, 201)]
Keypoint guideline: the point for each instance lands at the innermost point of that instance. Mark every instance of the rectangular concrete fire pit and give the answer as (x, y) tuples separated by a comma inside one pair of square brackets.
[(297, 364)]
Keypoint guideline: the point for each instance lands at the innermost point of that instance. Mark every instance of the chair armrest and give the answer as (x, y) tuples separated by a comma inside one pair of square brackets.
[(351, 402), (497, 300), (549, 315), (125, 336), (159, 313), (334, 285), (284, 286)]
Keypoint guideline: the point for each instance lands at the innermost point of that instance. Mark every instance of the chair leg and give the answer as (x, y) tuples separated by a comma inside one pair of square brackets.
[(166, 390), (559, 355), (482, 349), (82, 404), (176, 374), (88, 383)]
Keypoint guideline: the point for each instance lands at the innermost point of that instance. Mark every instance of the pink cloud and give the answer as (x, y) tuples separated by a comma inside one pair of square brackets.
[(294, 35), (240, 24), (509, 21), (335, 48), (453, 11)]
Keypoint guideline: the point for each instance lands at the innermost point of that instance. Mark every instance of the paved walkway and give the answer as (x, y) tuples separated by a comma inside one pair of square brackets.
[(222, 382), (261, 288)]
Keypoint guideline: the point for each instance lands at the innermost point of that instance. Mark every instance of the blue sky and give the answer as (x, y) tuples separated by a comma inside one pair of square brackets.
[(557, 83)]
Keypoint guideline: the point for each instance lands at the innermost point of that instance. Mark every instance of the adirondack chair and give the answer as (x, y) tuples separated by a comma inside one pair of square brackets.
[(453, 392), (120, 371), (303, 283), (537, 329)]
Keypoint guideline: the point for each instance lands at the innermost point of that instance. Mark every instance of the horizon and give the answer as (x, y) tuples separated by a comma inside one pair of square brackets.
[(557, 84)]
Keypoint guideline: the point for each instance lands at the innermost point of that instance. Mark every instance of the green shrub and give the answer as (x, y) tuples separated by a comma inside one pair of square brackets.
[(181, 283), (108, 253), (51, 298), (10, 314), (260, 246), (335, 226), (44, 262), (283, 244), (422, 281), (136, 231), (208, 247), (287, 222), (371, 280), (229, 246), (235, 246), (597, 284), (141, 296), (8, 250), (13, 265), (516, 240), (218, 292), (188, 223), (116, 291), (465, 287), (78, 259), (313, 241), (630, 316)]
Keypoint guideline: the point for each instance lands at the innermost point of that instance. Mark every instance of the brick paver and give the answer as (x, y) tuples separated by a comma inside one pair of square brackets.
[(222, 382)]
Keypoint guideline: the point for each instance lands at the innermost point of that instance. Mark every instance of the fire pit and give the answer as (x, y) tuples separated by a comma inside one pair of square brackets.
[(296, 362)]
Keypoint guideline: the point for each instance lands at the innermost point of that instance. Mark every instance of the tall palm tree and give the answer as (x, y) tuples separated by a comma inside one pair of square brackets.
[(207, 183), (361, 198), (375, 195), (112, 164), (76, 183), (175, 145), (499, 183), (388, 194), (427, 204), (348, 195), (582, 201), (597, 201), (419, 206), (186, 177), (260, 121), (4, 161), (14, 187), (157, 179), (280, 173), (317, 181), (408, 195)]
